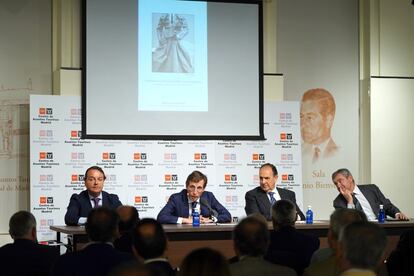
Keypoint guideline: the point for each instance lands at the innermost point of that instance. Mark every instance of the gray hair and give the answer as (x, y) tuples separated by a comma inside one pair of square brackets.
[(21, 224), (342, 217), (283, 213), (363, 244), (345, 172)]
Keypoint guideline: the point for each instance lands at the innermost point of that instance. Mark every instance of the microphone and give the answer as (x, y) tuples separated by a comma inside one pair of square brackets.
[(213, 213)]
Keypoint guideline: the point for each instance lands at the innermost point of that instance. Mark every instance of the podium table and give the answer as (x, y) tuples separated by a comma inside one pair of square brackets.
[(185, 238)]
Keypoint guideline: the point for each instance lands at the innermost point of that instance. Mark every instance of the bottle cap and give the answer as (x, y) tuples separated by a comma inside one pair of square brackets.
[(381, 206), (309, 207)]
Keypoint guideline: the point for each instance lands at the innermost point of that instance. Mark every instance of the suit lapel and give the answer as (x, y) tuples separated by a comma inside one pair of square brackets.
[(264, 201), (185, 211)]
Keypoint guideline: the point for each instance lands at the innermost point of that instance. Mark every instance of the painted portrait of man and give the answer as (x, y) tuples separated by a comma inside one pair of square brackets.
[(317, 114)]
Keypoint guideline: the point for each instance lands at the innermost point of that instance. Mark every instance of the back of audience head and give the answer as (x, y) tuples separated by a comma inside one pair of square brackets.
[(341, 218), (22, 225), (362, 246), (149, 239), (204, 262), (251, 236), (283, 213), (128, 218), (131, 269), (102, 225)]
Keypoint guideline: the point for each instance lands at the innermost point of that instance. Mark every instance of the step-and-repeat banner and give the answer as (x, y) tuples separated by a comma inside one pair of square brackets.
[(145, 173)]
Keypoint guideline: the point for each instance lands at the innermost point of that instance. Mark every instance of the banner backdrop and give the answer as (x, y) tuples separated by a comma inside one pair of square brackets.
[(145, 173)]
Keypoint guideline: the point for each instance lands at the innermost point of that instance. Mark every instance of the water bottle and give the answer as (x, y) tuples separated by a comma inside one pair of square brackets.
[(196, 218), (309, 215), (381, 214)]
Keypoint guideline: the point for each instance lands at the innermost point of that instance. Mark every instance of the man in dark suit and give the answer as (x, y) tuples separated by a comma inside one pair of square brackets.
[(251, 239), (25, 256), (366, 198), (99, 256), (288, 246), (150, 245), (81, 204), (180, 205), (260, 199)]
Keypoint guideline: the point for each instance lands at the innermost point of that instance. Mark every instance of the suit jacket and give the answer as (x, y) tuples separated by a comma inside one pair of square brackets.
[(374, 196), (248, 266), (160, 268), (25, 257), (80, 205), (291, 248), (258, 202), (94, 259), (177, 206)]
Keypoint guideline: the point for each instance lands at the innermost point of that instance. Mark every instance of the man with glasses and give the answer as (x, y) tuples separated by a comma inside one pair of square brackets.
[(181, 205), (81, 204)]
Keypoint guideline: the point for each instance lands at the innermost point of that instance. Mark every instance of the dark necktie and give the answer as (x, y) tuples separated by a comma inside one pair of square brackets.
[(316, 154), (272, 199), (194, 205), (356, 203), (96, 202)]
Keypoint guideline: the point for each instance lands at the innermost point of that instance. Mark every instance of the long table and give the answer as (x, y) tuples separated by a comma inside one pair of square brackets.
[(185, 238)]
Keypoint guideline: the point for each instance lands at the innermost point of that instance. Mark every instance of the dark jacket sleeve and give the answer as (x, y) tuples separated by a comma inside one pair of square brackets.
[(252, 206), (169, 214), (389, 208), (223, 214), (73, 211), (114, 201)]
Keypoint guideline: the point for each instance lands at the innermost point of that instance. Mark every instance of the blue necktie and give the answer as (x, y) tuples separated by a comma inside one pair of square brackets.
[(272, 199), (194, 205), (96, 202)]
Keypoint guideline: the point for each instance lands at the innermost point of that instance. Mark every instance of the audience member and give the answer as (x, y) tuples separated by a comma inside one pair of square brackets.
[(251, 240), (81, 204), (131, 269), (128, 219), (25, 256), (401, 259), (288, 246), (361, 248), (260, 199), (323, 261), (99, 256), (194, 197), (204, 262), (150, 245)]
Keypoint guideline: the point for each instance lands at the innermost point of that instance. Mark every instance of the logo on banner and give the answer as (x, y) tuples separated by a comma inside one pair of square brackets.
[(45, 183), (77, 182), (109, 160), (286, 140), (78, 160), (46, 205), (229, 144), (200, 160), (169, 144), (45, 137), (286, 158), (45, 115), (257, 160), (286, 119), (170, 160), (111, 183), (287, 180), (231, 199), (46, 160), (142, 204), (171, 182), (140, 160), (74, 138), (230, 160), (230, 182)]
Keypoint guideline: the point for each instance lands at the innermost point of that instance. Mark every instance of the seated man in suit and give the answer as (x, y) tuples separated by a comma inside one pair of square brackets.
[(99, 256), (180, 205), (260, 199), (150, 246), (288, 246), (366, 198), (81, 204), (251, 239), (25, 256), (361, 248)]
